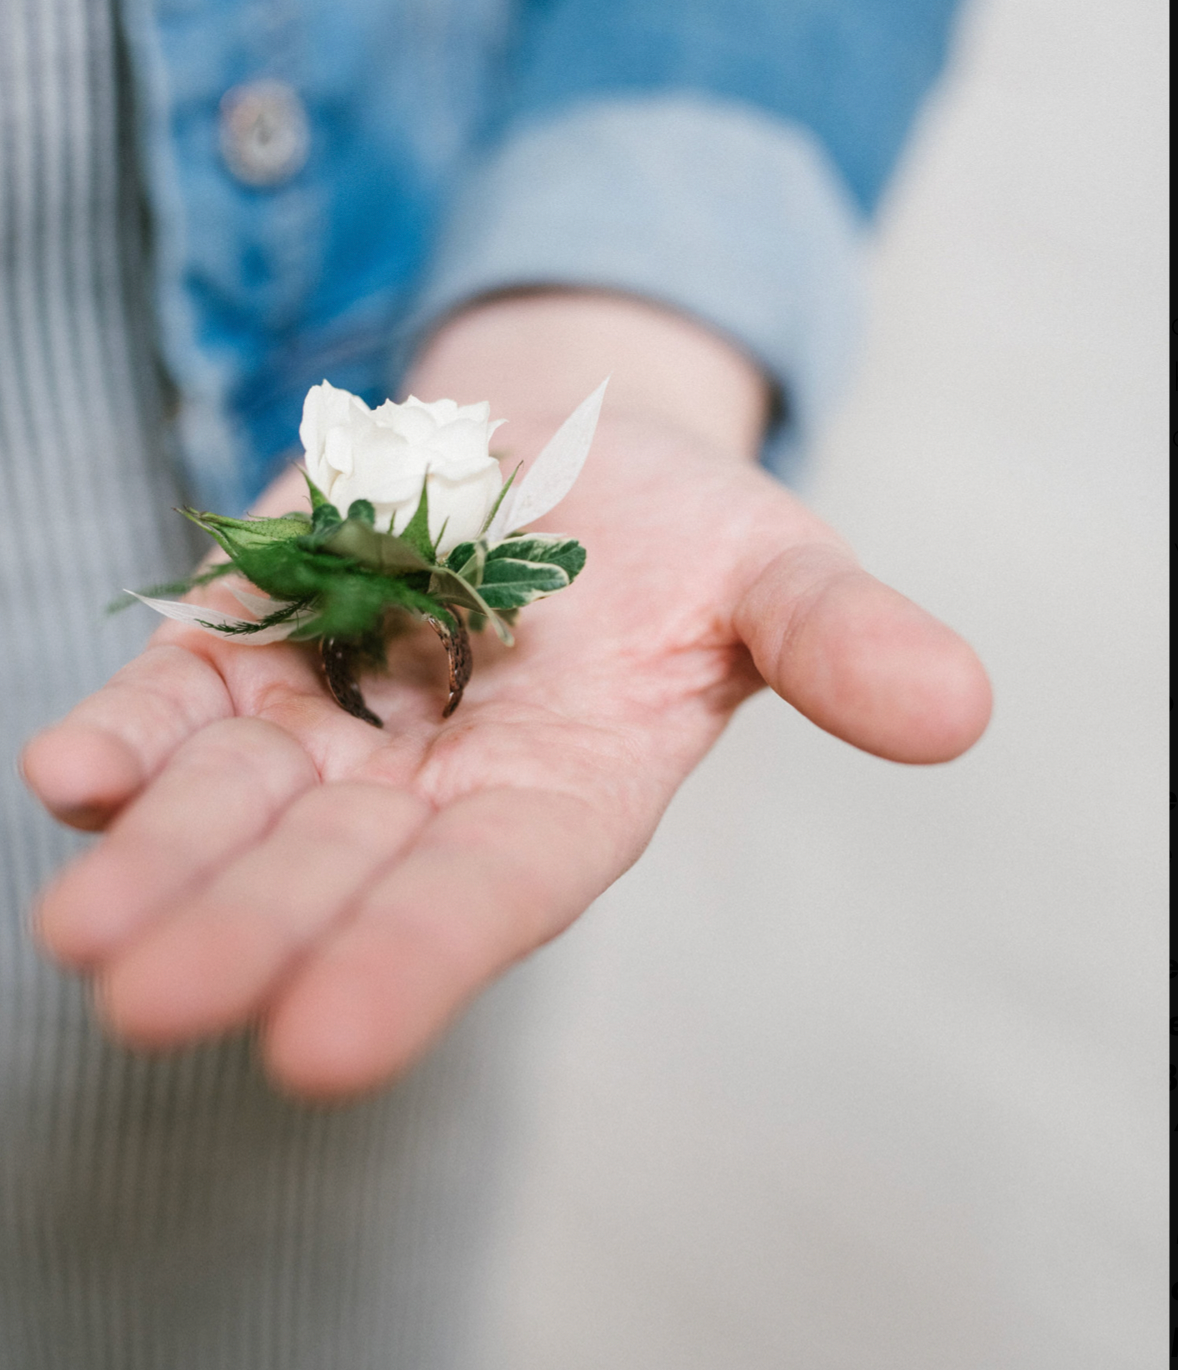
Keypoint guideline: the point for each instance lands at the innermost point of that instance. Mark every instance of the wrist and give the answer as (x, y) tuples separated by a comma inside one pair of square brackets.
[(536, 356)]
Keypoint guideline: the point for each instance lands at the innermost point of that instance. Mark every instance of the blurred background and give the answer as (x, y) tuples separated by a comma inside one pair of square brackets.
[(861, 1065)]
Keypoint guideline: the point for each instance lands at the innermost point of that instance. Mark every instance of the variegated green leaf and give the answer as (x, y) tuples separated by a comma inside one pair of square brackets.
[(510, 584), (542, 549)]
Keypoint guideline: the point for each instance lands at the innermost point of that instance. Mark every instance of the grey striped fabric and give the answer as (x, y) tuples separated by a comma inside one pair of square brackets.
[(174, 1214)]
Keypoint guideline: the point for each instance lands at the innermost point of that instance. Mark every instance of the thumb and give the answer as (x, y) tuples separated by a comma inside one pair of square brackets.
[(860, 660)]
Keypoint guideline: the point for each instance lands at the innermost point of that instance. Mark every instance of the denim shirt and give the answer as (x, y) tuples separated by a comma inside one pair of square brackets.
[(326, 179)]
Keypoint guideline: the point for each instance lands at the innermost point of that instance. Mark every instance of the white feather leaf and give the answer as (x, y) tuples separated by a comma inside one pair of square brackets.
[(210, 620), (261, 605), (554, 472)]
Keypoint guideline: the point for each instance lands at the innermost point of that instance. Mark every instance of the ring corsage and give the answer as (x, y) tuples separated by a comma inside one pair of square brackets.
[(410, 519)]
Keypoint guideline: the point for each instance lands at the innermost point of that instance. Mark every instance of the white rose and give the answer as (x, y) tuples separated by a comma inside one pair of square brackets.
[(384, 455)]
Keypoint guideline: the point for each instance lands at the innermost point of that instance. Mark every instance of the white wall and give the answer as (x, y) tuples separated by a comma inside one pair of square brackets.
[(863, 1066)]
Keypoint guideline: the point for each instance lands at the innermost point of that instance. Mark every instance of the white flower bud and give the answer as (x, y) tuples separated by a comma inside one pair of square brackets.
[(384, 455)]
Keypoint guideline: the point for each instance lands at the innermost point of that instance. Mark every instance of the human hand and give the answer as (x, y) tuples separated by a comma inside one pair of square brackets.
[(270, 859)]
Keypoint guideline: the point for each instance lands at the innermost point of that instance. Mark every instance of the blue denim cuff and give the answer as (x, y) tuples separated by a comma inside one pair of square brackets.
[(706, 205)]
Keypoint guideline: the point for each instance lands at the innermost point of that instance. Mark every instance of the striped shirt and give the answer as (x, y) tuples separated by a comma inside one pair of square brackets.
[(169, 1214)]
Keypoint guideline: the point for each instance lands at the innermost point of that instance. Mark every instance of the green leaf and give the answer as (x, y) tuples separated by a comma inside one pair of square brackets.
[(507, 484), (416, 531), (510, 584), (362, 511), (542, 549), (380, 551)]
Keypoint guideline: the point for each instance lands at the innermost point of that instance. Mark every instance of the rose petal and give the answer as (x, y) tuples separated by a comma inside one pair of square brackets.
[(441, 411), (460, 507), (325, 407), (386, 470), (414, 424), (459, 449), (337, 450)]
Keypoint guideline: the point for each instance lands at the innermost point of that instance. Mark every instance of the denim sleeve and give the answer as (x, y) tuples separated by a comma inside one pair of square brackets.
[(853, 72), (718, 156)]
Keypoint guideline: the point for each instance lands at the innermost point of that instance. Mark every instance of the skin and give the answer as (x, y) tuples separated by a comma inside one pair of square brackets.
[(269, 860)]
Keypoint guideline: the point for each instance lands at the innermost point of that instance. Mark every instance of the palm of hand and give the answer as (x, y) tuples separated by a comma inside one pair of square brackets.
[(274, 859)]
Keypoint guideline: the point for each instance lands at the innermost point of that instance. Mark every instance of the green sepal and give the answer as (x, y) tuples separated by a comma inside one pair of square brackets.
[(507, 484), (317, 495), (416, 531), (363, 511)]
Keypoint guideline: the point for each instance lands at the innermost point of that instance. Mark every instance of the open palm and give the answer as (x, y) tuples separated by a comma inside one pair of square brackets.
[(269, 858)]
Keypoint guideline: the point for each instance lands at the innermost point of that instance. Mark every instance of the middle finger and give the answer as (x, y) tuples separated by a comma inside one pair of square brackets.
[(211, 964)]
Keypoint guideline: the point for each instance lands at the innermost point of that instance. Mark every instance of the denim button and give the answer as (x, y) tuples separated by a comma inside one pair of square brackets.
[(265, 137)]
